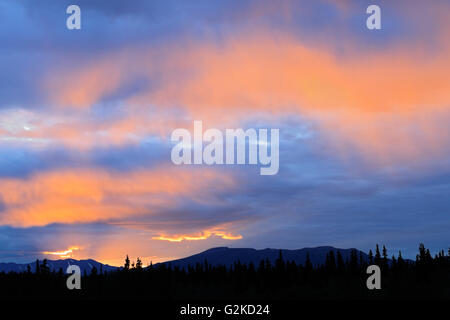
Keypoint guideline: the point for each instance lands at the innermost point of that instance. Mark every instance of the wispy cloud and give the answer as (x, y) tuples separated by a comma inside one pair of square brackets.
[(74, 196)]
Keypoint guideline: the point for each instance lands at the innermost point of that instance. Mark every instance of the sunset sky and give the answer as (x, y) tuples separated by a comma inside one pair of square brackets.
[(86, 117)]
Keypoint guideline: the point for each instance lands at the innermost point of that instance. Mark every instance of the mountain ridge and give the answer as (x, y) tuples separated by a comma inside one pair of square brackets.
[(214, 256), (228, 256), (86, 265)]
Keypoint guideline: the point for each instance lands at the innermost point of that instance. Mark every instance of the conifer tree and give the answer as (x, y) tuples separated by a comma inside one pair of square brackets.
[(93, 271), (38, 269), (370, 257), (126, 266), (308, 264), (422, 253), (44, 267), (394, 262), (385, 258), (279, 263), (138, 264), (428, 258), (377, 259), (330, 261), (400, 261)]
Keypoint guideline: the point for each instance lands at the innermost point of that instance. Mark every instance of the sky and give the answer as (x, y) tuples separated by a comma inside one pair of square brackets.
[(86, 118)]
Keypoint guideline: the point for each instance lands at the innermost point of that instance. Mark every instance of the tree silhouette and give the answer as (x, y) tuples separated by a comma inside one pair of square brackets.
[(330, 262), (428, 277), (126, 266), (38, 269), (400, 261), (377, 259), (279, 263), (44, 267), (308, 264), (384, 262), (138, 264)]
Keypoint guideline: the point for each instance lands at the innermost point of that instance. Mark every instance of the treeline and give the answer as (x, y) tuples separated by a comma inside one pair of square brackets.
[(426, 277)]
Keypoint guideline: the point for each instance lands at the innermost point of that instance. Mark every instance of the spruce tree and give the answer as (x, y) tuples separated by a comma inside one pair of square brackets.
[(394, 263), (44, 267), (377, 259), (370, 257), (422, 253), (308, 264), (330, 262), (138, 264), (385, 258), (126, 266), (428, 258), (93, 271), (279, 263), (38, 269), (400, 261)]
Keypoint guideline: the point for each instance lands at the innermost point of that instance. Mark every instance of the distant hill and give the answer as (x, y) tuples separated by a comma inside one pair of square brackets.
[(227, 256), (215, 256), (55, 265)]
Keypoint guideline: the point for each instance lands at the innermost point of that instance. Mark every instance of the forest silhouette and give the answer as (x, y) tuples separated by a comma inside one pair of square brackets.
[(426, 277)]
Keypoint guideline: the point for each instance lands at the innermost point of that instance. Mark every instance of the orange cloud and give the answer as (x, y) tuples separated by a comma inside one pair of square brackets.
[(94, 84), (112, 247), (270, 72), (349, 95), (81, 196), (68, 253), (202, 236)]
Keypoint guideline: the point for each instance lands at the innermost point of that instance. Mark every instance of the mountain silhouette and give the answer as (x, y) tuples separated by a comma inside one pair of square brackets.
[(227, 256), (215, 256), (55, 265)]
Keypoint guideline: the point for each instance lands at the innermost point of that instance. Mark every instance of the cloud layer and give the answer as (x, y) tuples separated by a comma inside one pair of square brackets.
[(86, 117)]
